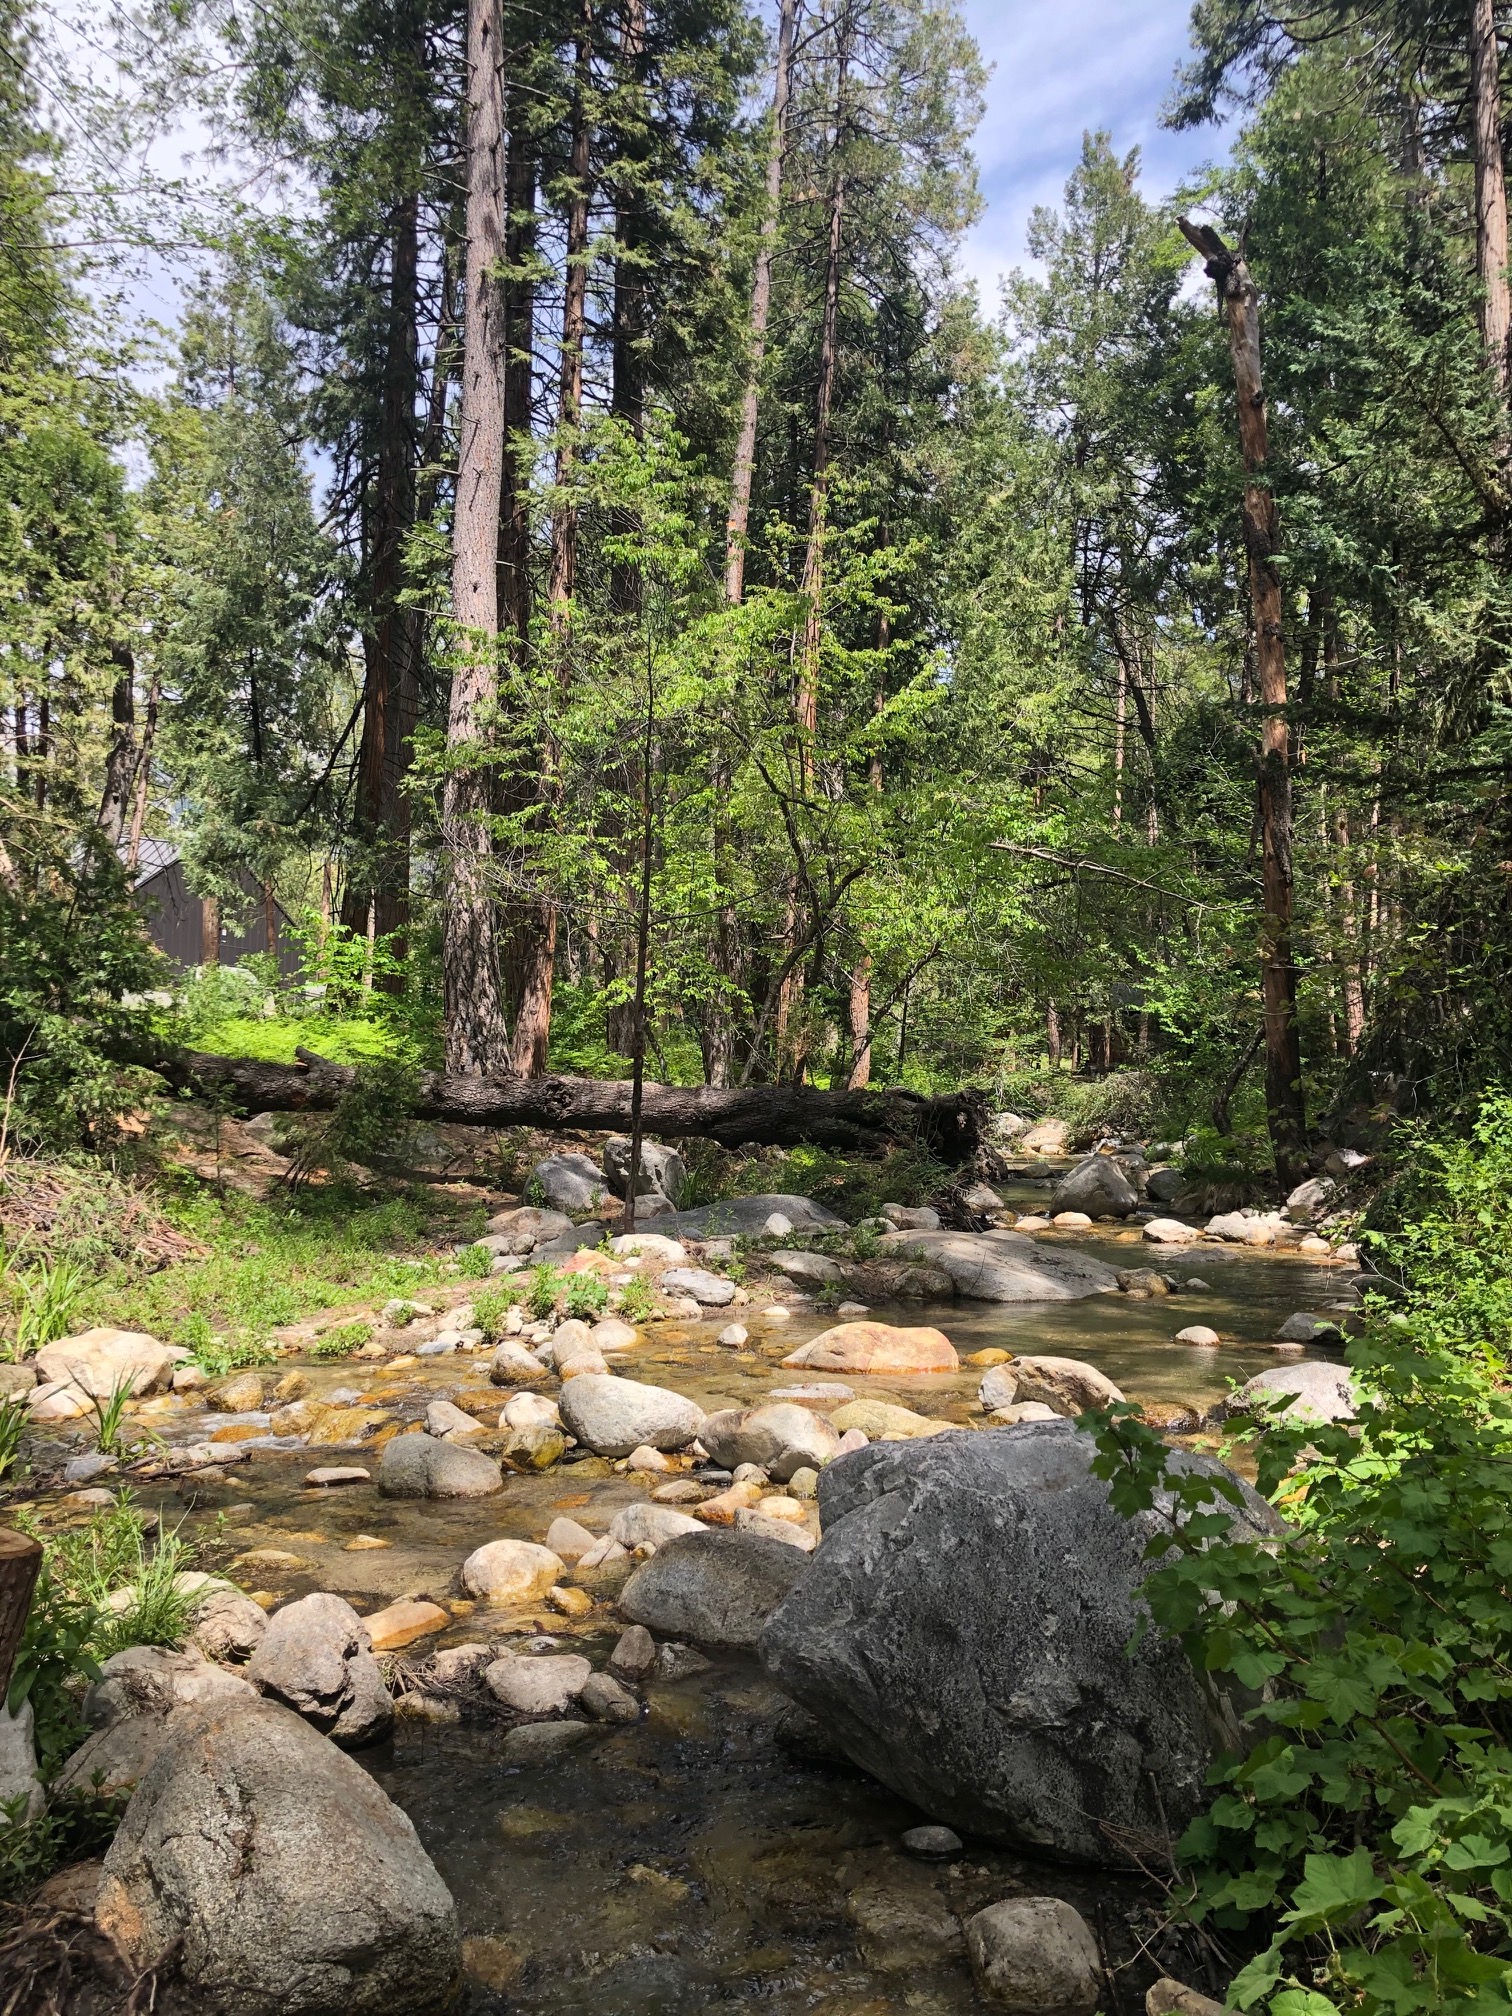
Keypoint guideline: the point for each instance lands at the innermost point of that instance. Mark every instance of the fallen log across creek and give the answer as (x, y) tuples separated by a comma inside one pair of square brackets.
[(949, 1126)]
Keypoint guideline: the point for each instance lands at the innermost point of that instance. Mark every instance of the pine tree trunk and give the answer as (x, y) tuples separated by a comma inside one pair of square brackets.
[(761, 309), (142, 781), (390, 642), (1285, 1109), (1490, 187), (564, 526), (812, 586), (515, 599), (627, 392), (121, 757), (537, 932), (476, 1042)]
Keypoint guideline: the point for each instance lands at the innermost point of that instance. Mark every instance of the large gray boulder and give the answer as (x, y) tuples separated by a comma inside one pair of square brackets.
[(19, 1777), (570, 1183), (1006, 1266), (963, 1633), (781, 1438), (662, 1172), (1312, 1391), (317, 1658), (420, 1466), (1097, 1186), (526, 1227), (746, 1215), (715, 1588), (290, 1884), (151, 1679), (613, 1416), (120, 1755)]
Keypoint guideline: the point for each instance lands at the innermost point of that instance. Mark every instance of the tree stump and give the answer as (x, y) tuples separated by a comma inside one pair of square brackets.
[(20, 1560)]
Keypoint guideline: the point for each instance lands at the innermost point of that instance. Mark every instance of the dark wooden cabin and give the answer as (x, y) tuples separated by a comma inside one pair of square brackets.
[(196, 931)]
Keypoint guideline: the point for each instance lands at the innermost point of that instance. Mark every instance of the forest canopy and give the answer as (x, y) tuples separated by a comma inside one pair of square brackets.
[(583, 526)]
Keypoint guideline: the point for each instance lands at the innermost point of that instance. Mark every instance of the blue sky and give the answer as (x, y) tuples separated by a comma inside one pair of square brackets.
[(1060, 66)]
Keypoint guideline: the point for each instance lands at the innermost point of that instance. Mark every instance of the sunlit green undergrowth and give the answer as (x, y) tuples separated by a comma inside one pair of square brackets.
[(277, 1261), (349, 1039)]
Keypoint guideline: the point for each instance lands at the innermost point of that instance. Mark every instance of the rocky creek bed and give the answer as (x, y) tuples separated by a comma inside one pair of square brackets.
[(715, 1847)]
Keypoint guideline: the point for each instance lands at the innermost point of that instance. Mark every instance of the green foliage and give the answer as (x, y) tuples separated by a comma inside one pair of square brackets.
[(46, 1295), (544, 1287), (276, 1262), (74, 1826), (1364, 1843), (636, 1300), (475, 1262), (491, 1307), (109, 1410), (72, 1054), (587, 1297), (341, 1340), (857, 1187), (14, 1419), (72, 1625)]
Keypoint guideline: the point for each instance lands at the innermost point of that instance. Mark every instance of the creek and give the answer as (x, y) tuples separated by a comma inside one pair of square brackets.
[(688, 1861)]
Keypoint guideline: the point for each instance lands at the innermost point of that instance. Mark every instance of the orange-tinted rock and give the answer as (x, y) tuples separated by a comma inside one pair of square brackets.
[(402, 1623), (877, 1347)]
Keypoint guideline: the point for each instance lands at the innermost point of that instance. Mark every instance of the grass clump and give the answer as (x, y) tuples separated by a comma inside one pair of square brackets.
[(544, 1287), (587, 1297), (342, 1340), (636, 1301), (475, 1262), (274, 1262), (491, 1307), (102, 1586)]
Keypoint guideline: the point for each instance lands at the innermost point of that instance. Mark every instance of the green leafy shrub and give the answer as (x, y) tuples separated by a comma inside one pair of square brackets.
[(71, 1625), (587, 1296), (74, 1826), (76, 1056), (491, 1307), (341, 1340), (14, 1419), (636, 1301), (1360, 1854), (45, 1297), (543, 1287), (475, 1263)]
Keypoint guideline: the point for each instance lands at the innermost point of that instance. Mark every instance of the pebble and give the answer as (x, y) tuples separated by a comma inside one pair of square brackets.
[(934, 1844), (853, 1309), (775, 1313), (733, 1336), (680, 1662), (634, 1654), (1070, 1221), (438, 1347), (651, 1460), (569, 1602), (804, 1483), (543, 1742), (1199, 1334), (608, 1699), (751, 1473), (365, 1543), (604, 1553), (813, 1396), (330, 1474), (681, 1491)]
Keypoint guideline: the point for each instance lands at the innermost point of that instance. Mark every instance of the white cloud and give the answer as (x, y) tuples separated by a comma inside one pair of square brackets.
[(1061, 67)]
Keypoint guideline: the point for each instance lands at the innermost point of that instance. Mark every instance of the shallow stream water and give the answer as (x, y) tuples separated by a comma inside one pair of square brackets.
[(688, 1862)]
